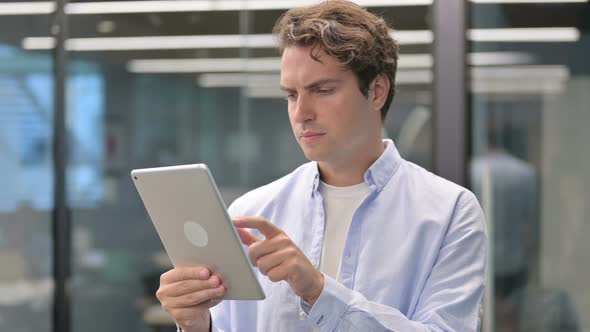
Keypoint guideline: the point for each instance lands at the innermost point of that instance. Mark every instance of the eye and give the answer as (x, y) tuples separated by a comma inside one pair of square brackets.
[(324, 91), (291, 96)]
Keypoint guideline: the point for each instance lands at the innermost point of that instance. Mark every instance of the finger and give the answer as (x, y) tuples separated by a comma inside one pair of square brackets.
[(268, 262), (264, 226), (193, 299), (246, 237), (278, 273), (267, 247), (211, 303), (187, 286), (185, 273)]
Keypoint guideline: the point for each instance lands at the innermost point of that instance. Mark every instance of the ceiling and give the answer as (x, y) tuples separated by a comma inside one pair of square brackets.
[(15, 28)]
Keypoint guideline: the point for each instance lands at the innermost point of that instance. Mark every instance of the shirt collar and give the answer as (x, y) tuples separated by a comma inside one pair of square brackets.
[(383, 168), (315, 176), (378, 173)]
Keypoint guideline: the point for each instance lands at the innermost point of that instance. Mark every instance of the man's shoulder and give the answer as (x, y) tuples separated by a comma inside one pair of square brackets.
[(434, 186), (264, 195), (435, 194)]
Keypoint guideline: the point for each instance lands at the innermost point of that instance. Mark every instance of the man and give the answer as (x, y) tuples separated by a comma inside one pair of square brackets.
[(358, 239)]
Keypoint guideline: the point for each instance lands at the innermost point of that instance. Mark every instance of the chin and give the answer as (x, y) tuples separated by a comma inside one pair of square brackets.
[(310, 154), (314, 154)]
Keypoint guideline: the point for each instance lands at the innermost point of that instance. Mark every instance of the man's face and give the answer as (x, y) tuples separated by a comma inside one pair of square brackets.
[(332, 120)]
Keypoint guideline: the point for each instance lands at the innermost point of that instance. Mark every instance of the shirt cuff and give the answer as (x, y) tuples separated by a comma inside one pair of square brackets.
[(330, 306)]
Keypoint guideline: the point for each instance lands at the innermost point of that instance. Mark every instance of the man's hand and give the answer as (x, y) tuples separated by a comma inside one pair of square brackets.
[(278, 258), (187, 294)]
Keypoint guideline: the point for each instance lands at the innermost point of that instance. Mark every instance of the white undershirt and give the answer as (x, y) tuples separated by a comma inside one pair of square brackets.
[(340, 203)]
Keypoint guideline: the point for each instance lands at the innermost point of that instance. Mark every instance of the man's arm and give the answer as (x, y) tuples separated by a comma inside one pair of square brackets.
[(179, 329), (450, 301)]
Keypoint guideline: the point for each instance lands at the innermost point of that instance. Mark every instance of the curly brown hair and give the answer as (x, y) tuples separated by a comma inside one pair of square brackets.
[(342, 29)]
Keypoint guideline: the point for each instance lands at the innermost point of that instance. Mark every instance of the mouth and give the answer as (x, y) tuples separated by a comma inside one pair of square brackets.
[(311, 137)]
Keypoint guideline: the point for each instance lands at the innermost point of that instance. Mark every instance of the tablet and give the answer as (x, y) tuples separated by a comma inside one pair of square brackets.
[(191, 219)]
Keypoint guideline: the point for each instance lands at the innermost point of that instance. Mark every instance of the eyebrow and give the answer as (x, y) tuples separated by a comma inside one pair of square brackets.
[(314, 85)]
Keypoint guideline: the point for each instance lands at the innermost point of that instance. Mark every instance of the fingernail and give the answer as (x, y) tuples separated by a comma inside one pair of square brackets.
[(204, 274), (188, 322), (212, 282)]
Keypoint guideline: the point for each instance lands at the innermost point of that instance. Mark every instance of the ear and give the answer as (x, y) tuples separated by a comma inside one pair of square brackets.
[(380, 89)]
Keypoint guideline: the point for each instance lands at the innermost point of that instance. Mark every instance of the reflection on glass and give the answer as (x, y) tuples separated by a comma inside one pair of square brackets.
[(528, 103), (86, 136), (26, 186), (511, 185), (26, 112)]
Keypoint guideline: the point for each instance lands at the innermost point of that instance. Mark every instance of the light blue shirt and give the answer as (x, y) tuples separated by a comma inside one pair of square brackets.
[(414, 257)]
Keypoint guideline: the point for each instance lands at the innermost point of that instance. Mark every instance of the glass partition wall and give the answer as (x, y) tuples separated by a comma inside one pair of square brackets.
[(26, 174), (530, 109), (188, 82)]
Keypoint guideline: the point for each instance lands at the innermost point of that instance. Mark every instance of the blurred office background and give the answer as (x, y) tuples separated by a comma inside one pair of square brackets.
[(168, 82)]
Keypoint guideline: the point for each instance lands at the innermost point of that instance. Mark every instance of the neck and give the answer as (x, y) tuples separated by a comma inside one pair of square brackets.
[(345, 173)]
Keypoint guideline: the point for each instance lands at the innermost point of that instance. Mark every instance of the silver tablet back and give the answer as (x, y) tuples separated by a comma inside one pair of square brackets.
[(191, 219)]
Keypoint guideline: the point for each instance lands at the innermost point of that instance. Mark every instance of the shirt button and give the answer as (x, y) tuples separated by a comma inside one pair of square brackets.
[(302, 315)]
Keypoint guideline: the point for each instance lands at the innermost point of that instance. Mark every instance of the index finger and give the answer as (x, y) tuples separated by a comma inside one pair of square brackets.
[(185, 273), (265, 227)]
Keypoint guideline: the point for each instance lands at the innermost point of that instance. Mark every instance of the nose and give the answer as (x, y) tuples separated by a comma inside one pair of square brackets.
[(303, 110)]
